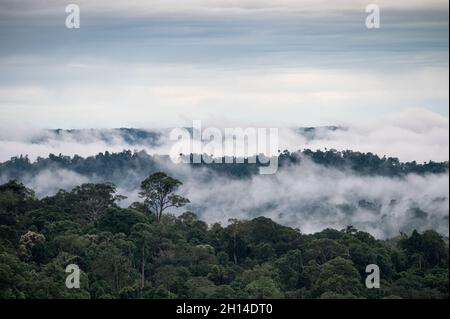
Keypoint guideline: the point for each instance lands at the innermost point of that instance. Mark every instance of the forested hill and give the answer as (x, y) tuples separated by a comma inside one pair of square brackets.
[(135, 253), (130, 136), (135, 136), (107, 165)]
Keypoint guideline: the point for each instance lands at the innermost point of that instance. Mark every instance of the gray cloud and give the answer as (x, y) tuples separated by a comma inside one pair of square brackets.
[(158, 61)]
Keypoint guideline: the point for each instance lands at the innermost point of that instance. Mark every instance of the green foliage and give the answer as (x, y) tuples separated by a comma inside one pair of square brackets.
[(118, 220), (338, 276), (109, 166), (128, 253), (427, 250), (263, 288), (158, 193)]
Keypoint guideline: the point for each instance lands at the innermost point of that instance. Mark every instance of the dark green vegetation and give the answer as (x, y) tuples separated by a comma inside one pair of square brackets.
[(145, 252), (110, 166)]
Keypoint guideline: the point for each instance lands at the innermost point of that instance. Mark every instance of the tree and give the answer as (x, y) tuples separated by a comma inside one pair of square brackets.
[(15, 276), (263, 288), (28, 244), (126, 254), (17, 189), (325, 249), (426, 250), (112, 260), (119, 220), (158, 193), (289, 268), (338, 276), (234, 229), (142, 235), (15, 200), (95, 199), (200, 288)]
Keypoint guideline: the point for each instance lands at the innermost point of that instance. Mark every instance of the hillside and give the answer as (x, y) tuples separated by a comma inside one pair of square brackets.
[(129, 253)]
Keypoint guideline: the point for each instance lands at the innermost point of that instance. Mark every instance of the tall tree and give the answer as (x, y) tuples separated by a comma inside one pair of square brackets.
[(95, 199), (158, 191), (144, 239)]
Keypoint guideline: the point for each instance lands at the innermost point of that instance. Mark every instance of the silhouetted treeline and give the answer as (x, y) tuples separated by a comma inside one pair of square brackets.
[(107, 164)]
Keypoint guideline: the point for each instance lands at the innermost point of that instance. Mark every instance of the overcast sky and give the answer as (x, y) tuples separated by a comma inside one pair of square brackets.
[(266, 62)]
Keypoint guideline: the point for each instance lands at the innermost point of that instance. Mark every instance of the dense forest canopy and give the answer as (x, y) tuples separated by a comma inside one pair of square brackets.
[(135, 252), (105, 164)]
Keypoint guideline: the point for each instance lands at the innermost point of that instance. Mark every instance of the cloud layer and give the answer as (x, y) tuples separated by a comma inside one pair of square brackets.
[(411, 135), (311, 198), (149, 63), (151, 6), (308, 196)]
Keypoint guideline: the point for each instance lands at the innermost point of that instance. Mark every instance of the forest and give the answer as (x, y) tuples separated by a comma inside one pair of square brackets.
[(145, 251), (107, 164)]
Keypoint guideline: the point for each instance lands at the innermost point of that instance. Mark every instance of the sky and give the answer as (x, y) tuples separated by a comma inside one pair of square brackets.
[(153, 64), (239, 63)]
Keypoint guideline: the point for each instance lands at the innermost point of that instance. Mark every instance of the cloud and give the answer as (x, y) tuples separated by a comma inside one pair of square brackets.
[(246, 63), (410, 135), (142, 95), (309, 197), (151, 6), (312, 198), (132, 64), (18, 140), (48, 182)]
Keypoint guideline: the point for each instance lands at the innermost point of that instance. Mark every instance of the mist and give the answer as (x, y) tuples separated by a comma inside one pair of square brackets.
[(308, 196), (411, 135)]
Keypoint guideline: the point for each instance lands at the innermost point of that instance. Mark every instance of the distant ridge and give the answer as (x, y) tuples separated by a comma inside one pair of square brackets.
[(150, 137)]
